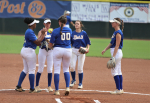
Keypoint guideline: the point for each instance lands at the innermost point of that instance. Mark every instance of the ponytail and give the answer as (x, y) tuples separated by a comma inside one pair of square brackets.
[(122, 25), (65, 13), (63, 21), (61, 28)]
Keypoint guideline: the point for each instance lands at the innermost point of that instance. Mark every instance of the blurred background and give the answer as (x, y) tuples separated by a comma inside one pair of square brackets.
[(94, 14)]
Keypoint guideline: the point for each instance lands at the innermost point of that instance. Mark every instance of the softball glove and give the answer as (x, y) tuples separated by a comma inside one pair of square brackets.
[(111, 63), (83, 50), (44, 43)]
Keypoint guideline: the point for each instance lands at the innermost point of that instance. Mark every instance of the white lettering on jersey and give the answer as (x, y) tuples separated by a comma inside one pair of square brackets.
[(47, 36), (113, 36), (78, 37)]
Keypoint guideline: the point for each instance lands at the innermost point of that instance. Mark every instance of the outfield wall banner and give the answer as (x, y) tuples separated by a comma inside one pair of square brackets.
[(130, 12), (90, 11), (149, 14), (33, 8)]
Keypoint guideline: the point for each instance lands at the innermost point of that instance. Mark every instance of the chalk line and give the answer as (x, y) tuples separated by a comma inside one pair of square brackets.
[(84, 91)]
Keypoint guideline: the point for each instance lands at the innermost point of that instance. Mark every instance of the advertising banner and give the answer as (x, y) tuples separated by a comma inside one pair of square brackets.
[(90, 11), (130, 12), (33, 8), (149, 14)]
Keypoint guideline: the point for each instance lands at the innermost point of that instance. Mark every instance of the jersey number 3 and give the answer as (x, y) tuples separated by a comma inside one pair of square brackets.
[(65, 36)]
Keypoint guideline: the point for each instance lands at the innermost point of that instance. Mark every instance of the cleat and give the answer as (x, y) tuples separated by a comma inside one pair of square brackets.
[(80, 86), (121, 91), (34, 91), (19, 89), (67, 91), (57, 92), (73, 82), (116, 92), (50, 89), (37, 88)]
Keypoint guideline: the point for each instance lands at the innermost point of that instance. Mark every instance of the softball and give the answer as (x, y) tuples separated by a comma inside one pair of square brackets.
[(50, 30)]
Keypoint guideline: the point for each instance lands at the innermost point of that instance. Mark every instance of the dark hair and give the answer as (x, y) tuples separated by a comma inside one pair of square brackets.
[(63, 21), (121, 22), (80, 23), (28, 20)]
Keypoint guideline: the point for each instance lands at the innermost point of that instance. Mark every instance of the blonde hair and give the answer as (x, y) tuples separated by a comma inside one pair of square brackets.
[(65, 12)]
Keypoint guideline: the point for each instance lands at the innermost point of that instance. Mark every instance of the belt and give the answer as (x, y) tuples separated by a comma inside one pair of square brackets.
[(77, 47)]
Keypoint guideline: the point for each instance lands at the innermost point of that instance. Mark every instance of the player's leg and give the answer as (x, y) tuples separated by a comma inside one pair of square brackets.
[(41, 61), (31, 61), (50, 68), (57, 59), (23, 73), (115, 73), (66, 61), (72, 67), (81, 59), (119, 70)]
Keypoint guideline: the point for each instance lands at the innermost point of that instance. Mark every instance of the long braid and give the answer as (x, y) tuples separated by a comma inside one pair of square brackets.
[(61, 28), (63, 21)]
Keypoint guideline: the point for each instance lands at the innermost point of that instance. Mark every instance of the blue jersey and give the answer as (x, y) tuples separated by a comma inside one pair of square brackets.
[(48, 36), (80, 39), (68, 20), (29, 38), (61, 40), (113, 39)]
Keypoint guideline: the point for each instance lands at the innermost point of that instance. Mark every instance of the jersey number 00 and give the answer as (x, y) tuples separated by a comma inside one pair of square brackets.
[(65, 36)]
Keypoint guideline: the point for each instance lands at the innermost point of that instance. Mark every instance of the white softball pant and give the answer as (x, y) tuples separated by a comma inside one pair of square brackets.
[(76, 55), (42, 56), (61, 55), (117, 70), (29, 60)]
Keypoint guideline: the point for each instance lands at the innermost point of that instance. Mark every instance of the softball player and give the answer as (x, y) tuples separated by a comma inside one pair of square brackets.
[(79, 39), (28, 54), (116, 46), (43, 55), (61, 38), (67, 13)]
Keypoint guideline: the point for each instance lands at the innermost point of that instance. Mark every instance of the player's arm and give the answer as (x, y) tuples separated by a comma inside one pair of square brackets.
[(109, 45), (72, 23), (52, 40), (39, 33), (50, 45), (87, 47), (41, 36), (118, 39)]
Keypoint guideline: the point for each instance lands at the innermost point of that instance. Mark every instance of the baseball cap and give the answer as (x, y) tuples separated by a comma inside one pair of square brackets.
[(46, 21), (68, 12), (114, 20), (33, 22)]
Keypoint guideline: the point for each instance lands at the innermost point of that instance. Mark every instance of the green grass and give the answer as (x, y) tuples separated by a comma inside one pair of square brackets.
[(131, 48)]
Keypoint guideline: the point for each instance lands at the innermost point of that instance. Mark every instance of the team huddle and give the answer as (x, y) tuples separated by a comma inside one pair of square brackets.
[(62, 45)]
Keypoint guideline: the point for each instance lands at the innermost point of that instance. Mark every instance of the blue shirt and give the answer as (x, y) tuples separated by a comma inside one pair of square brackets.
[(29, 38), (80, 39), (68, 20), (113, 39), (48, 36), (61, 40)]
